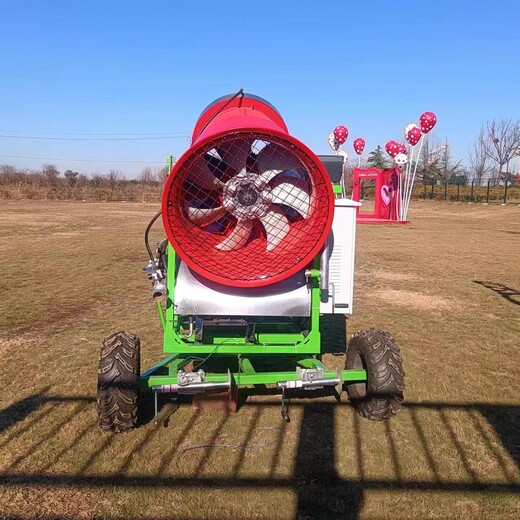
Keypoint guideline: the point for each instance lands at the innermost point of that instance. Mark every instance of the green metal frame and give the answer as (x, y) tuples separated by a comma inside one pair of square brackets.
[(273, 345)]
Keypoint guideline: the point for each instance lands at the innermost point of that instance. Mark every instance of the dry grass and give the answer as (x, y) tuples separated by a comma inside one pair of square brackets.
[(70, 273), (125, 191)]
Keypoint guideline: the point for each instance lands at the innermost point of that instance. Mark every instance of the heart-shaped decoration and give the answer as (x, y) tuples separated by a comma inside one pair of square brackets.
[(341, 134), (386, 194), (413, 136), (402, 148), (359, 145), (392, 148), (427, 121)]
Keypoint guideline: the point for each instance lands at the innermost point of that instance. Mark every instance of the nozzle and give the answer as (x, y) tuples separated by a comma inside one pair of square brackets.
[(158, 290)]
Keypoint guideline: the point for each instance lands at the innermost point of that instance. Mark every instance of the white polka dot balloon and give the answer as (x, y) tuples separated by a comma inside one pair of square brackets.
[(401, 159), (333, 143), (408, 127)]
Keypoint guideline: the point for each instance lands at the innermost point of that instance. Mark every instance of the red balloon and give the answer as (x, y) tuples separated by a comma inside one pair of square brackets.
[(341, 134), (427, 121), (359, 145), (402, 148), (392, 148), (413, 136)]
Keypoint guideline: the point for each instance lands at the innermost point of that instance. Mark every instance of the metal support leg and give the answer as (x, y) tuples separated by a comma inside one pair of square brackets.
[(155, 418), (285, 409)]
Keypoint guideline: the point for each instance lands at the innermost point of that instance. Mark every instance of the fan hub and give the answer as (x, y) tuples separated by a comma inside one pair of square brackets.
[(247, 196)]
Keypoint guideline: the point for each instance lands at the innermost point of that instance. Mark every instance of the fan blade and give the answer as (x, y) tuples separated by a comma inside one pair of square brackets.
[(203, 216), (275, 157), (201, 175), (235, 153), (238, 237), (291, 193), (269, 175), (276, 227)]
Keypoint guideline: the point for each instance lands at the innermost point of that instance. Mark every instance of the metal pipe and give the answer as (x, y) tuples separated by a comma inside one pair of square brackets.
[(308, 384), (192, 388), (324, 269)]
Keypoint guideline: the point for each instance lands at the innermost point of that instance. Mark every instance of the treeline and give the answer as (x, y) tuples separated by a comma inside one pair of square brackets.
[(48, 183)]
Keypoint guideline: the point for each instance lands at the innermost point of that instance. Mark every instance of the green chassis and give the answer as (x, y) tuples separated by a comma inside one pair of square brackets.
[(275, 344)]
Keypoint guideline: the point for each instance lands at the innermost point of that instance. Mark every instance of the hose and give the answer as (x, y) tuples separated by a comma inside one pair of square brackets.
[(147, 232), (146, 242), (239, 93)]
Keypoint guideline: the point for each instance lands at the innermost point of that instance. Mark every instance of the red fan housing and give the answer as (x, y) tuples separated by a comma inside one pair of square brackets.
[(247, 205)]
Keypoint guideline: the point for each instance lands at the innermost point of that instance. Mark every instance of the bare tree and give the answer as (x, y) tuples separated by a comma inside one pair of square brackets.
[(501, 142), (161, 175), (449, 170), (10, 174), (114, 177), (479, 160), (97, 180), (146, 176), (51, 174), (429, 159)]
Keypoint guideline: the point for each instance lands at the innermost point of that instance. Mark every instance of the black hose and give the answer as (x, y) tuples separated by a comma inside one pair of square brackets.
[(146, 242), (147, 232), (239, 93)]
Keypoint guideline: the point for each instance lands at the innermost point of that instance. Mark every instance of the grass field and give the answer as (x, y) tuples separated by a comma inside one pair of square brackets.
[(447, 286)]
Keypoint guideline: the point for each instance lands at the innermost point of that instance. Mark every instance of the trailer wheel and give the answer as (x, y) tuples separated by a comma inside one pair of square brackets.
[(118, 377), (379, 397)]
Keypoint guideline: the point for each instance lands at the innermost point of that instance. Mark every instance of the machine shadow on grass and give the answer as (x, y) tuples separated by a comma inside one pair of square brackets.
[(321, 492), (510, 294)]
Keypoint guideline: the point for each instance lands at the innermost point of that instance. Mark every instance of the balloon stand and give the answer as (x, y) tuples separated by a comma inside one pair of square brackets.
[(393, 187), (387, 205)]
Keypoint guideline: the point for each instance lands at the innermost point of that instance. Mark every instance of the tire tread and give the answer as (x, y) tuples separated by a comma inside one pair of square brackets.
[(118, 375), (385, 374)]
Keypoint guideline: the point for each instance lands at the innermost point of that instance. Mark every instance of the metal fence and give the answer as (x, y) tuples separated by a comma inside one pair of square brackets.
[(484, 190)]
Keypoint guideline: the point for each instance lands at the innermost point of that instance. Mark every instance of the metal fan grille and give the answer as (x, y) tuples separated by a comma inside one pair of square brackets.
[(248, 209)]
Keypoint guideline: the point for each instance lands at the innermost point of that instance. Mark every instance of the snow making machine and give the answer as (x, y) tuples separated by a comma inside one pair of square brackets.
[(254, 279)]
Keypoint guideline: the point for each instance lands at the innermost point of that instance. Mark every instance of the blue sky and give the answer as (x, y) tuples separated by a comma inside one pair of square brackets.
[(129, 67)]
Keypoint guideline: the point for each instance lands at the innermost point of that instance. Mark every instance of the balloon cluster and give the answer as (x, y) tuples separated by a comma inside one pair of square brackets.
[(412, 134), (339, 136)]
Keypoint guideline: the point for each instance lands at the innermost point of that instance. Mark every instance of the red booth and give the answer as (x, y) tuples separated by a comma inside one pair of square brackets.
[(386, 194)]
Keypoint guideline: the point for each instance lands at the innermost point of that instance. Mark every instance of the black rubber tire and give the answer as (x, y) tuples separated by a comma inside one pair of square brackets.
[(118, 377), (379, 397)]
